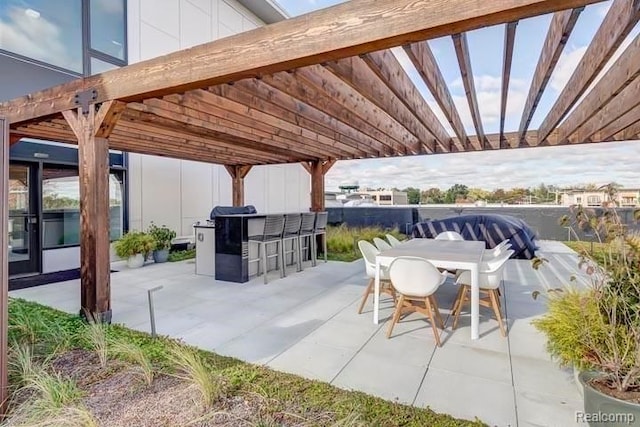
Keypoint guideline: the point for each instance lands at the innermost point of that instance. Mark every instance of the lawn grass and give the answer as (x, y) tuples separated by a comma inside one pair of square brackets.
[(313, 402), (342, 240), (599, 251)]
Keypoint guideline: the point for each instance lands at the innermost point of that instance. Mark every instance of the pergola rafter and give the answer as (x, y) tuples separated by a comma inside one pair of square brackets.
[(509, 43)]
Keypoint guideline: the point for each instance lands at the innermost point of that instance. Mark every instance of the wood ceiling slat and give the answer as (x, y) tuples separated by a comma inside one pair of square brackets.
[(616, 128), (224, 131), (152, 123), (632, 132), (464, 61), (301, 109), (388, 68), (348, 29), (617, 108), (619, 21), (201, 104), (161, 138), (228, 109), (352, 100), (507, 59), (560, 29), (424, 61), (236, 93), (355, 72), (617, 78), (300, 89)]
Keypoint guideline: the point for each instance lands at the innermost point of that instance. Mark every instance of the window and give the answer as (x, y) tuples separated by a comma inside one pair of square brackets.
[(594, 201), (385, 198), (107, 22), (45, 30), (579, 200), (61, 206), (98, 66)]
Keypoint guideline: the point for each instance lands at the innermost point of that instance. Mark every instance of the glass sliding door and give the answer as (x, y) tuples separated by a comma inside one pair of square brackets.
[(24, 248)]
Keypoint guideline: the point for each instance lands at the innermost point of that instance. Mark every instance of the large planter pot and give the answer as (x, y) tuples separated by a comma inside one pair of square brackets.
[(135, 261), (601, 410), (160, 255)]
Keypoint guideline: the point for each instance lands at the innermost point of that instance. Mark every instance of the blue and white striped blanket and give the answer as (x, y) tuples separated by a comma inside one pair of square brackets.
[(492, 229)]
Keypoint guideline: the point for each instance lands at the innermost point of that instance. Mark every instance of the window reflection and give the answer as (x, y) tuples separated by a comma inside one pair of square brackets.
[(98, 66), (107, 27), (61, 206), (45, 30)]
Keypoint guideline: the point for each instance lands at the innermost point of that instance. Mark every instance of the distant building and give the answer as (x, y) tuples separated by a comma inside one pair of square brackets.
[(626, 197), (387, 197)]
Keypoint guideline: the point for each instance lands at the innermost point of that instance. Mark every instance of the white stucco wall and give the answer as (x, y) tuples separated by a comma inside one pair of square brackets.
[(178, 193)]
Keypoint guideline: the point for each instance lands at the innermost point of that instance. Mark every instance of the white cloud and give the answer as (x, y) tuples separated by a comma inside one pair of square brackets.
[(565, 67), (33, 36)]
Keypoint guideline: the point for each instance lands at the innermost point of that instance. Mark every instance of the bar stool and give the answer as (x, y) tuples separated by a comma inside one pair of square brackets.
[(320, 229), (291, 233), (272, 234), (306, 236)]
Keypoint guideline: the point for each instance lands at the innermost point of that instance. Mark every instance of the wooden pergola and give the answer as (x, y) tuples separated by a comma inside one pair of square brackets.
[(316, 89)]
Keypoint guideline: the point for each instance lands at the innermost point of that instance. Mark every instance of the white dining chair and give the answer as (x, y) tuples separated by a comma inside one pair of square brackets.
[(449, 235), (416, 280), (491, 274), (381, 244), (393, 241), (369, 253)]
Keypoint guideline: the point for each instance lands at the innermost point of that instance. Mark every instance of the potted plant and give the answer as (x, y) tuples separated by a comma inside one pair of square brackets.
[(597, 329), (134, 246), (163, 237)]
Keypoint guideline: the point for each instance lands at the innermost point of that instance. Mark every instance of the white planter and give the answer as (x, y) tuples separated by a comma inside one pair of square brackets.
[(135, 261)]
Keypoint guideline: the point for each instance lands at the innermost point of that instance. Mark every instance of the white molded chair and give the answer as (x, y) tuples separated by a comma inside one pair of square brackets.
[(490, 280), (449, 235), (416, 280), (369, 253), (393, 241), (381, 244)]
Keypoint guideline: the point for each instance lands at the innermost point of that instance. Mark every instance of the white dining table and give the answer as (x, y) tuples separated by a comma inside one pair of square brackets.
[(449, 254)]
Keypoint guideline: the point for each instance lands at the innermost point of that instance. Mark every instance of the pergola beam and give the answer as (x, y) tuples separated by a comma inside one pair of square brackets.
[(509, 43), (348, 29), (355, 72), (388, 68), (424, 61), (619, 21), (622, 73), (560, 29), (464, 61), (617, 128)]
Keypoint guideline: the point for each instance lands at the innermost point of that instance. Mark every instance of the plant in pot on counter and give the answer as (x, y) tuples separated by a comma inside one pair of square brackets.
[(135, 246), (163, 237), (597, 328)]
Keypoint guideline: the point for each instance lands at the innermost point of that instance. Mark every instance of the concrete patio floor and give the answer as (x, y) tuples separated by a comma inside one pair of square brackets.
[(307, 324)]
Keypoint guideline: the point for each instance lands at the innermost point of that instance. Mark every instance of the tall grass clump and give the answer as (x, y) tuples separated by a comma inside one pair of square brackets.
[(342, 240), (191, 367), (134, 354), (98, 340)]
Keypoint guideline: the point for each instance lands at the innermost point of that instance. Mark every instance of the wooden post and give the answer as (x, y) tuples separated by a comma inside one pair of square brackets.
[(317, 170), (92, 128), (238, 173), (4, 260)]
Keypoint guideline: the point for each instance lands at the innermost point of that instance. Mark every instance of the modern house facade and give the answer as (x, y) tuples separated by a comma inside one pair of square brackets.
[(387, 197), (625, 197), (45, 43)]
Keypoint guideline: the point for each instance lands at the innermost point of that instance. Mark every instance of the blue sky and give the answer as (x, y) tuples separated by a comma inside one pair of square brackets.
[(589, 163)]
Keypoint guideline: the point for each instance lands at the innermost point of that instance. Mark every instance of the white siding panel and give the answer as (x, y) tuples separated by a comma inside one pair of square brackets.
[(275, 189), (194, 25), (164, 15), (133, 30), (161, 199), (214, 19), (255, 192), (197, 194), (155, 42), (224, 31), (229, 16), (203, 5), (248, 24), (135, 191)]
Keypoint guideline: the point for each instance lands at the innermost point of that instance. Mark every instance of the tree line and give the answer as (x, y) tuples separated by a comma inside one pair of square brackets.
[(459, 193)]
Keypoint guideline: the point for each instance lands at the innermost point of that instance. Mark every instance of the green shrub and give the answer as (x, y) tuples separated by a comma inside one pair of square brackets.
[(162, 236), (133, 243), (182, 255)]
